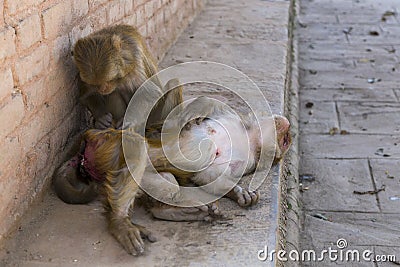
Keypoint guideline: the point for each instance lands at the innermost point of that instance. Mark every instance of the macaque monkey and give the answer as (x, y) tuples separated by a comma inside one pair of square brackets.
[(216, 168), (73, 184), (234, 150), (113, 63)]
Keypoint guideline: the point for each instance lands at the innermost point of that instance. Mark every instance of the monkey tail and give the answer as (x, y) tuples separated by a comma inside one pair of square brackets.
[(70, 187)]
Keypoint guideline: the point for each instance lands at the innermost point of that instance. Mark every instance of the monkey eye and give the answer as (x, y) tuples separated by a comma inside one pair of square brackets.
[(286, 140)]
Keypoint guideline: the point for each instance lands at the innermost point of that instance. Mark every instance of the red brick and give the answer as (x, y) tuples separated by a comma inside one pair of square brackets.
[(7, 42), (10, 154), (62, 103), (143, 30), (130, 20), (115, 12), (98, 19), (151, 29), (36, 94), (7, 82), (11, 114), (38, 158), (95, 3), (149, 9), (36, 128), (80, 8), (29, 31), (78, 32), (57, 19), (62, 50), (141, 15), (14, 6), (1, 13), (32, 65), (140, 2), (129, 7)]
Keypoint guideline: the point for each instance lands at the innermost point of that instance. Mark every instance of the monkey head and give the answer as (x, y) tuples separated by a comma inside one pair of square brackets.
[(99, 59), (283, 138), (274, 144)]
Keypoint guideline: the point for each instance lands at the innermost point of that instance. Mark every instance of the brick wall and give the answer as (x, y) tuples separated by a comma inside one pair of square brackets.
[(38, 95)]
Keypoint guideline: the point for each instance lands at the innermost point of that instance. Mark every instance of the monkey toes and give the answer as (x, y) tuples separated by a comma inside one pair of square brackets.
[(244, 197), (130, 235), (200, 213)]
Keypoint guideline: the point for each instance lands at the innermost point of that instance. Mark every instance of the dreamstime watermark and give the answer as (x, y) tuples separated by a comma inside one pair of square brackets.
[(341, 253)]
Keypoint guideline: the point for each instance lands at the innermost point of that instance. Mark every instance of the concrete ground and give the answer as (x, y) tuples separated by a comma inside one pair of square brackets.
[(250, 35), (349, 61)]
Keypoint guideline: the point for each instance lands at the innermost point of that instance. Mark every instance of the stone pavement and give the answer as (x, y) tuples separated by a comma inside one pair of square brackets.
[(249, 35), (349, 61)]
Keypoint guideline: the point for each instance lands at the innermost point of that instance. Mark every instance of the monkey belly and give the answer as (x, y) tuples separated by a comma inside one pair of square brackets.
[(232, 148)]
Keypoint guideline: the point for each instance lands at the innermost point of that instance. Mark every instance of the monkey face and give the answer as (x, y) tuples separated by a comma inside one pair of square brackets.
[(98, 59), (284, 139), (106, 88)]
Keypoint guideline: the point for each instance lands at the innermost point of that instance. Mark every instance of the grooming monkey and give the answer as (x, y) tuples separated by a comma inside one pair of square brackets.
[(76, 185), (225, 164), (112, 63)]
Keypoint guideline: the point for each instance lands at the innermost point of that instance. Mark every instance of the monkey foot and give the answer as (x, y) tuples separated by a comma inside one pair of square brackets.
[(244, 197), (130, 235), (200, 213)]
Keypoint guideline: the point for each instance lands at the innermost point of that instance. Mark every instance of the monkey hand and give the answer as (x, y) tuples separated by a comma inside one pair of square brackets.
[(104, 121), (130, 235), (196, 121), (244, 197)]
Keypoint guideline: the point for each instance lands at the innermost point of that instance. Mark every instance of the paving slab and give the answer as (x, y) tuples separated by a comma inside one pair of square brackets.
[(370, 117), (343, 79), (331, 184), (317, 117), (349, 146), (349, 94), (229, 32), (335, 68), (327, 51), (359, 229), (386, 174)]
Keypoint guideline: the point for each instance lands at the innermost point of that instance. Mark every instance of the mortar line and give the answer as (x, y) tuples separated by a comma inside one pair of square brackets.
[(374, 184), (338, 115), (374, 251), (396, 95), (351, 211)]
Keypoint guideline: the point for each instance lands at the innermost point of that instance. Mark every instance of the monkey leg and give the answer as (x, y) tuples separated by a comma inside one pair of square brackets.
[(225, 186), (199, 109), (164, 187), (121, 191), (172, 213)]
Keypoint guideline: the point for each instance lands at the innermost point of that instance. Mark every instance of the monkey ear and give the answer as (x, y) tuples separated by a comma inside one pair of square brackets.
[(116, 41)]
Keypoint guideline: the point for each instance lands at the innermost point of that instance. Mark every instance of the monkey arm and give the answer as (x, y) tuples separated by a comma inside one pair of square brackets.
[(92, 100), (201, 108), (121, 191)]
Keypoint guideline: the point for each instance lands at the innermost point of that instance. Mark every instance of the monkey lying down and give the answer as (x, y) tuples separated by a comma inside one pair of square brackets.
[(216, 168)]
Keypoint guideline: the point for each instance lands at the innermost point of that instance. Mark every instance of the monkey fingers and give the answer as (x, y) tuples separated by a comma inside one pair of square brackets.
[(146, 233), (104, 121), (243, 197), (129, 235), (213, 209)]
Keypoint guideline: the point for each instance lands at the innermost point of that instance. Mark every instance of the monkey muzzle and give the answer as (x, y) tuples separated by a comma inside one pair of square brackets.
[(106, 88)]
